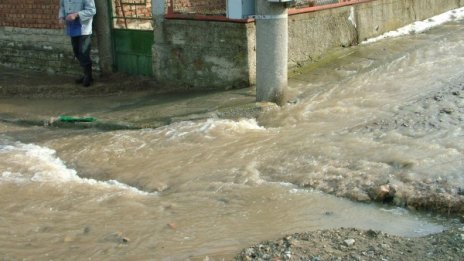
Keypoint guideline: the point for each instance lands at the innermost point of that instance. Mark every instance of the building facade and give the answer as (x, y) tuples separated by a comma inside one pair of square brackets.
[(193, 44)]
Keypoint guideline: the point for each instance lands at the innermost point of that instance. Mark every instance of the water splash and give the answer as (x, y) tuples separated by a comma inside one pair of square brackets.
[(211, 128), (33, 163)]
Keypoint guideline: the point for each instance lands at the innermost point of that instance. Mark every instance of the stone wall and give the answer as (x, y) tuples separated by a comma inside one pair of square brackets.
[(40, 49), (206, 55), (37, 49), (311, 35)]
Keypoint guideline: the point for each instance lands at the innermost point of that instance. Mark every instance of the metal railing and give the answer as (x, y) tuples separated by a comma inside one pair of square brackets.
[(306, 6), (310, 3)]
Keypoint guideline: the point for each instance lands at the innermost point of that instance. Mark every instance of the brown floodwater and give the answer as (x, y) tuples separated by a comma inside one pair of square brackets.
[(210, 187)]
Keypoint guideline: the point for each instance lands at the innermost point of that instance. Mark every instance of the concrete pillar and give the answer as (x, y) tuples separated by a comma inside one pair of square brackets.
[(103, 32), (158, 11), (271, 51)]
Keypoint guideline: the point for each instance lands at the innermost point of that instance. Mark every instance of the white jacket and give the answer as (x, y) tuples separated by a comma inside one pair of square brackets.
[(86, 10)]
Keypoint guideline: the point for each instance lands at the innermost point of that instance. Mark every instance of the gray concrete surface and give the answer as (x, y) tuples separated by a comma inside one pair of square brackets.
[(204, 55), (378, 17), (271, 51), (312, 35), (103, 37)]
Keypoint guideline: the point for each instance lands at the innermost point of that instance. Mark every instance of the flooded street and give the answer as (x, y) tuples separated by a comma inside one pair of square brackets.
[(210, 186)]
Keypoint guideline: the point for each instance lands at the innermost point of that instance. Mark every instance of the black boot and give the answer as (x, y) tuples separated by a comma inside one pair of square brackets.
[(79, 80), (87, 79)]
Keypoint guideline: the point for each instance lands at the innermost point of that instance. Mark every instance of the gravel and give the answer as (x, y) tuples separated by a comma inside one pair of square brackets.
[(355, 244)]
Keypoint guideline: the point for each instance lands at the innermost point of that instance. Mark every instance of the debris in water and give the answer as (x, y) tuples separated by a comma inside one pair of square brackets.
[(447, 110), (64, 118), (372, 233), (172, 226), (86, 230), (117, 237), (385, 192), (329, 213)]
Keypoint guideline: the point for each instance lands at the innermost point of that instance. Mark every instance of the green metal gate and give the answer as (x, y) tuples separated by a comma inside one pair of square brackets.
[(132, 36)]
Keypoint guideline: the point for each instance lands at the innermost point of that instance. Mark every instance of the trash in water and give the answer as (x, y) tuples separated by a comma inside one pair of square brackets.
[(76, 119)]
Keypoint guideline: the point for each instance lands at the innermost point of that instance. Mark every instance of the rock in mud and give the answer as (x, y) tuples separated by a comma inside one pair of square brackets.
[(447, 110), (117, 237), (385, 193), (172, 226), (349, 242), (86, 230), (68, 239)]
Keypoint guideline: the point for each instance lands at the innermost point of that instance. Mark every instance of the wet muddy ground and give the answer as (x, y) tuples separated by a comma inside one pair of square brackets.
[(440, 110), (343, 141), (432, 115), (354, 244)]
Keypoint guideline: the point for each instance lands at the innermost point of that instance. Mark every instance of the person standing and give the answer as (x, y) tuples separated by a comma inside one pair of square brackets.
[(78, 16)]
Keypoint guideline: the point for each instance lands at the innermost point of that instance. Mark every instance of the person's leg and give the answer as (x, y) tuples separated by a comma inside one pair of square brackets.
[(84, 58), (84, 50), (76, 47), (86, 61)]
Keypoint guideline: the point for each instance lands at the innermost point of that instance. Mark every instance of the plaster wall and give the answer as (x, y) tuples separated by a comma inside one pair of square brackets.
[(311, 35), (205, 55), (38, 49), (218, 55), (380, 16)]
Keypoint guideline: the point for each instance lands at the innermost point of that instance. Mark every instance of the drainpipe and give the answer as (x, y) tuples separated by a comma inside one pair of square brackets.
[(271, 50)]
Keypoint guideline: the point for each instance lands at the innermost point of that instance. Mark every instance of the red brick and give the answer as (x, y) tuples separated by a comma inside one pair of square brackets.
[(29, 13)]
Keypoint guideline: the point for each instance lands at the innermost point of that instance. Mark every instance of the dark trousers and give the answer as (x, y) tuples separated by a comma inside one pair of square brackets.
[(81, 49)]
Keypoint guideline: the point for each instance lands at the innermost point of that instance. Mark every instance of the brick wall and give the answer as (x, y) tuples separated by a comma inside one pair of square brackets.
[(132, 10), (31, 37), (29, 13), (141, 9), (207, 7)]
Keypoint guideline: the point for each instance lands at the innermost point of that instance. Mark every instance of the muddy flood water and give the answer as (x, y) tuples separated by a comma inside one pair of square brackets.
[(210, 187)]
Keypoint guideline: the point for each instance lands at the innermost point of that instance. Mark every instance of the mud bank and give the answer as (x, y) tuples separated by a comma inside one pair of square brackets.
[(33, 84), (431, 113), (354, 244)]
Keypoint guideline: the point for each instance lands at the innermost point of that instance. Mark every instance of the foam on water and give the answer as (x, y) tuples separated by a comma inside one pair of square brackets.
[(211, 128), (33, 163), (242, 125), (421, 26)]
